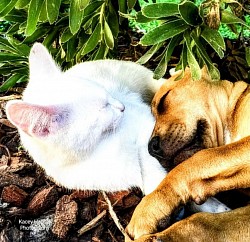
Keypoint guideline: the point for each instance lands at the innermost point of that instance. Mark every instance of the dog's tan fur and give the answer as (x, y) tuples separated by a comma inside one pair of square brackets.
[(223, 162)]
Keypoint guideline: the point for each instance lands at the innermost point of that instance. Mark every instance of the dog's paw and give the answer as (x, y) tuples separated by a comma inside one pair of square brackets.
[(151, 214), (142, 222)]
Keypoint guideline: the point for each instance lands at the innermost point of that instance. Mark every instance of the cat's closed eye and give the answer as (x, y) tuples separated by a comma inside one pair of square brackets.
[(104, 106)]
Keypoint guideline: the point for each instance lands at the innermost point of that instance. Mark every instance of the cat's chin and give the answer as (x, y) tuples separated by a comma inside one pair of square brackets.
[(111, 129), (114, 126)]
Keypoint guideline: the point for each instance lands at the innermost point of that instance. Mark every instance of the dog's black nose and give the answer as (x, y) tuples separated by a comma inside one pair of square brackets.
[(154, 147)]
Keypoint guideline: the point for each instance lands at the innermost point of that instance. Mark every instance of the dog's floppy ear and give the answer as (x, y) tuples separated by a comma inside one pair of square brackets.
[(36, 120)]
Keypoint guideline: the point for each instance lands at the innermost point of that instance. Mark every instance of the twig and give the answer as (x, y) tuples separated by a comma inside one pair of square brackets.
[(10, 97), (92, 224), (112, 236), (8, 153), (114, 216)]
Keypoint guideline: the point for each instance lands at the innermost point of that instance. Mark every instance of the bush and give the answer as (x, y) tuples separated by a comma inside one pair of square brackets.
[(190, 27), (77, 30), (73, 30)]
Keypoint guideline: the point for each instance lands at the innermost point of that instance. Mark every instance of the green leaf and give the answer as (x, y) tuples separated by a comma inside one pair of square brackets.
[(22, 4), (11, 81), (39, 33), (5, 57), (108, 36), (146, 57), (63, 21), (214, 72), (93, 40), (229, 18), (88, 20), (76, 12), (101, 52), (5, 45), (164, 32), (16, 16), (22, 49), (43, 13), (190, 13), (10, 50), (13, 29), (92, 7), (140, 18), (33, 14), (51, 36), (247, 51), (66, 35), (7, 69), (215, 40), (184, 61), (122, 9), (82, 38), (159, 10), (113, 21), (162, 66), (6, 6), (193, 64), (52, 7), (71, 49), (131, 3), (122, 6)]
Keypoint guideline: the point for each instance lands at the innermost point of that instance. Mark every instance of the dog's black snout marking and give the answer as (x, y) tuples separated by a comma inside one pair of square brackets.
[(154, 147)]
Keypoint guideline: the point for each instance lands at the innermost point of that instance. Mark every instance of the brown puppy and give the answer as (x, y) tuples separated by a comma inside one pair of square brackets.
[(213, 117)]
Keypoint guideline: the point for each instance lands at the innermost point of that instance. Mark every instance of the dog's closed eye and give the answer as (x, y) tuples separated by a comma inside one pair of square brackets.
[(161, 108)]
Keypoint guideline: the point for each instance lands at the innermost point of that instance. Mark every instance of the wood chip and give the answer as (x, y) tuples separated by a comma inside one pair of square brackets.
[(7, 123), (65, 216), (82, 195), (43, 200), (14, 195), (8, 178)]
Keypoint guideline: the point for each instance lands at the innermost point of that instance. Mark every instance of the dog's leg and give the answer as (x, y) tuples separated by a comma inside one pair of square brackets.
[(203, 227), (201, 176)]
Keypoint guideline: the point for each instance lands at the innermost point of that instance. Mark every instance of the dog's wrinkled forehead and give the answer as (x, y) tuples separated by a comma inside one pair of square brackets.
[(158, 103)]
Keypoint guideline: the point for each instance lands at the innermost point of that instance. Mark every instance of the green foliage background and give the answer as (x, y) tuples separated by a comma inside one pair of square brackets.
[(79, 30)]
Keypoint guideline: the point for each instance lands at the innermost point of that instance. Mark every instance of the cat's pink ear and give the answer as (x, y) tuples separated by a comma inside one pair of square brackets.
[(35, 120), (41, 63)]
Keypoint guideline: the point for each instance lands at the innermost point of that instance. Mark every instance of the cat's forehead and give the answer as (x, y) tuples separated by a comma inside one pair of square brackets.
[(65, 90)]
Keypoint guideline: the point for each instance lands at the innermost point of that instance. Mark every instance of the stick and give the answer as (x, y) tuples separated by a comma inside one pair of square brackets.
[(114, 216), (11, 97), (93, 223)]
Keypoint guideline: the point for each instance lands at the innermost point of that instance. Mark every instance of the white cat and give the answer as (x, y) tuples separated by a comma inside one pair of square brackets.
[(89, 127)]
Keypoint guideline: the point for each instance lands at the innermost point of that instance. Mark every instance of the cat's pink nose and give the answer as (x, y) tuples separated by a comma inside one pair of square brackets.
[(117, 104), (121, 107)]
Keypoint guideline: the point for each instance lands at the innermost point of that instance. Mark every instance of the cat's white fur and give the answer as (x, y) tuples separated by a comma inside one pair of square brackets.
[(89, 126)]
